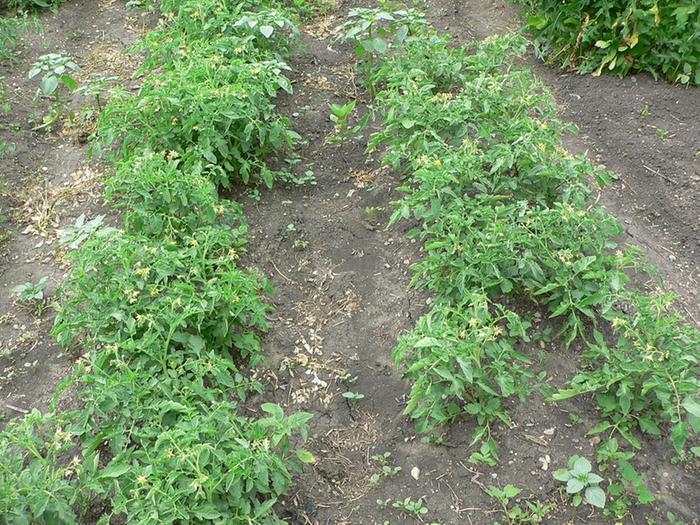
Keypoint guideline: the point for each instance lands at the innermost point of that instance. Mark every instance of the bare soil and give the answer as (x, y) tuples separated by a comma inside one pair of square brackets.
[(341, 277)]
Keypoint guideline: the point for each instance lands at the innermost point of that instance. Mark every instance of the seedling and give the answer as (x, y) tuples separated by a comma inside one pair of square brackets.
[(381, 458), (353, 396), (30, 292), (415, 507), (308, 179), (527, 512), (391, 472), (300, 244), (575, 419), (95, 88), (371, 212), (626, 484), (82, 230), (645, 111), (387, 470), (662, 132), (340, 113), (579, 477), (374, 31), (56, 70)]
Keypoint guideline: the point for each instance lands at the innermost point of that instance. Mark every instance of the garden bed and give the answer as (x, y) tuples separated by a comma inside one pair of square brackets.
[(341, 278)]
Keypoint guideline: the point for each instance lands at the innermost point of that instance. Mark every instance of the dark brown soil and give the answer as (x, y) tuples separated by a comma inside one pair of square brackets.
[(341, 280)]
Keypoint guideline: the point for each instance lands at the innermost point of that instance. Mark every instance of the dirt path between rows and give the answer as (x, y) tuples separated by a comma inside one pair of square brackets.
[(341, 301)]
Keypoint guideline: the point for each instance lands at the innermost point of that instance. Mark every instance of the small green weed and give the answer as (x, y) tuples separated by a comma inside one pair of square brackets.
[(32, 293), (11, 30), (579, 477), (525, 512), (56, 71), (353, 396)]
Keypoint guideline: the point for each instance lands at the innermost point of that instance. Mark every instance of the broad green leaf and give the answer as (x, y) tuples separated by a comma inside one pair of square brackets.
[(562, 474), (574, 485), (692, 406), (595, 496), (48, 85), (581, 466), (114, 470)]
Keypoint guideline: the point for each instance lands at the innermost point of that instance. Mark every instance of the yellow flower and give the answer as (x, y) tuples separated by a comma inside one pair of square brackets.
[(142, 272), (141, 480)]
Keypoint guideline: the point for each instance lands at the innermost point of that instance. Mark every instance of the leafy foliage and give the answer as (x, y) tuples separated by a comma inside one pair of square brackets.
[(649, 375), (216, 115), (504, 211), (620, 37), (168, 321), (163, 203), (36, 486), (375, 31), (461, 359), (30, 292), (55, 70), (32, 5), (11, 28)]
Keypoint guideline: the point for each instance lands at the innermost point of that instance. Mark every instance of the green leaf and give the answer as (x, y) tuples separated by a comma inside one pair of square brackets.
[(594, 478), (600, 427), (692, 406), (273, 409), (538, 22), (679, 435), (581, 466), (113, 470), (380, 45), (267, 31), (305, 456), (69, 82), (574, 485), (595, 496), (562, 474), (48, 85), (511, 491)]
